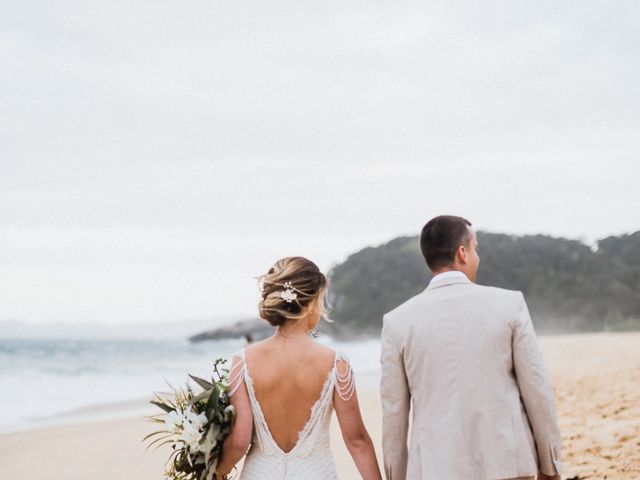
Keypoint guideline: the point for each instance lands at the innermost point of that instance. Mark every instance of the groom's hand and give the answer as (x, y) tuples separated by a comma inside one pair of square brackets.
[(542, 476)]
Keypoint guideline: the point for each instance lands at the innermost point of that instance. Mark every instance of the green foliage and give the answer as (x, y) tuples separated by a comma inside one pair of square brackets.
[(568, 285), (194, 458)]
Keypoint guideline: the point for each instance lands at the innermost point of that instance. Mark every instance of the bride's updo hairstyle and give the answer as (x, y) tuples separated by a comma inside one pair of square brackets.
[(288, 278)]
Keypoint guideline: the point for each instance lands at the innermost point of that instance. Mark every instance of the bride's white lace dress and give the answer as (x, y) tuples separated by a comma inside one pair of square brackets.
[(310, 458)]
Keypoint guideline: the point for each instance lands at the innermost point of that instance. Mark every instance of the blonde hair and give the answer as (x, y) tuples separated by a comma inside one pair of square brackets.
[(307, 282)]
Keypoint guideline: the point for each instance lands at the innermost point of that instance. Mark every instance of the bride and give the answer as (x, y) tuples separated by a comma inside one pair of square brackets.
[(285, 388)]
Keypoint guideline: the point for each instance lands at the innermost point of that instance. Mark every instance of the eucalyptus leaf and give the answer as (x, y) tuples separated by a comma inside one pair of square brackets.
[(213, 401), (202, 382), (202, 396), (164, 407)]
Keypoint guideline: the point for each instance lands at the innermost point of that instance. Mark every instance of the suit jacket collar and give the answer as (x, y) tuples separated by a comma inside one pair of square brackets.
[(443, 282)]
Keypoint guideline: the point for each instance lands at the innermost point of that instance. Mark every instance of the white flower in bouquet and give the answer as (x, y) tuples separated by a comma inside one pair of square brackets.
[(191, 437), (174, 421), (197, 420), (195, 426)]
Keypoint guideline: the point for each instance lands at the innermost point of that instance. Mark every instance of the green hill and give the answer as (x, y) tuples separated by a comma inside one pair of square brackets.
[(569, 286)]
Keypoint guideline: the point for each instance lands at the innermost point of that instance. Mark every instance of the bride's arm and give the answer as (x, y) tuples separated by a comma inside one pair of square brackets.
[(354, 433), (237, 442)]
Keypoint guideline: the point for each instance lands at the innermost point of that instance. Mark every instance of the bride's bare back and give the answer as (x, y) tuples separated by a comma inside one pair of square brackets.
[(284, 389), (288, 377)]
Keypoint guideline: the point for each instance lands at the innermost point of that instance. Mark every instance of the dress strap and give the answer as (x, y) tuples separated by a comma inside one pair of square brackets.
[(345, 381), (237, 372)]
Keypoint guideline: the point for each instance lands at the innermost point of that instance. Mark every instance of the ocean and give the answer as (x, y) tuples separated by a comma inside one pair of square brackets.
[(53, 382)]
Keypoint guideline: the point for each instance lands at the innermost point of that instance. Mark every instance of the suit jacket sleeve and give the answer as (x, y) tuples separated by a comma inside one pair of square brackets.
[(395, 396), (536, 392)]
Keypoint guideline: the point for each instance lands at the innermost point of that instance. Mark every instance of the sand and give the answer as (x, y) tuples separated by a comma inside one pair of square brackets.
[(596, 379)]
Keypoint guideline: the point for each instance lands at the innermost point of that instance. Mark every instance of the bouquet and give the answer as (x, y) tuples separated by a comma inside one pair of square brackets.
[(196, 425)]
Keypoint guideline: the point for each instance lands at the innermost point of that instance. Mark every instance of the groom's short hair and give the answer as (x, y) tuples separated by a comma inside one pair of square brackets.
[(441, 237)]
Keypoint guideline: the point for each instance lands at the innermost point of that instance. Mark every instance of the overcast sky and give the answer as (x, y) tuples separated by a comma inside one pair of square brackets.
[(156, 156)]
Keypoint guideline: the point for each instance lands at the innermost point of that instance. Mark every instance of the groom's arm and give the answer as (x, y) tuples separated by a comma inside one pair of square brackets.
[(394, 392), (536, 392)]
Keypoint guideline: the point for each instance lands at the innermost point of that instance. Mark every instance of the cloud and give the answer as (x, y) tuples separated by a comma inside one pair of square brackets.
[(158, 142)]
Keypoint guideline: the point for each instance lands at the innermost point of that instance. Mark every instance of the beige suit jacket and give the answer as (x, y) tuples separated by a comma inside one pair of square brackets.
[(466, 358)]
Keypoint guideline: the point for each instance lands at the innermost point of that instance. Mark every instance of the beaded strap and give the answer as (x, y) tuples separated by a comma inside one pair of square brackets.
[(236, 376), (345, 382)]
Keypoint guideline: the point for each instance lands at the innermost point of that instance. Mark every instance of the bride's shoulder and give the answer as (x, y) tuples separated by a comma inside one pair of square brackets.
[(337, 358), (250, 349), (325, 350), (257, 348)]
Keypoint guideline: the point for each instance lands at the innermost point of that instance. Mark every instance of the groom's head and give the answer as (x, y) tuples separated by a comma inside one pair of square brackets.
[(449, 243)]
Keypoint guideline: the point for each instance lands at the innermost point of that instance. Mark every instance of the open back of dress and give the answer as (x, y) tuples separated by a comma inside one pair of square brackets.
[(310, 458)]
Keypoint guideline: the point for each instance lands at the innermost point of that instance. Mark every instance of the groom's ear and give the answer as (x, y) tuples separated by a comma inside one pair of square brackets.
[(461, 253)]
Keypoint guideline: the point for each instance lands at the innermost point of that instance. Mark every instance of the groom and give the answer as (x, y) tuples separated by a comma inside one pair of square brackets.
[(466, 358)]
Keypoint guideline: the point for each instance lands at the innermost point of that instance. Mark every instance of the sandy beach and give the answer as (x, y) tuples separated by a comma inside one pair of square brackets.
[(596, 379)]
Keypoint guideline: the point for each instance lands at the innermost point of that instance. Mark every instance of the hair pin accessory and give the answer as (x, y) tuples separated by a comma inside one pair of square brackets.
[(288, 295)]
